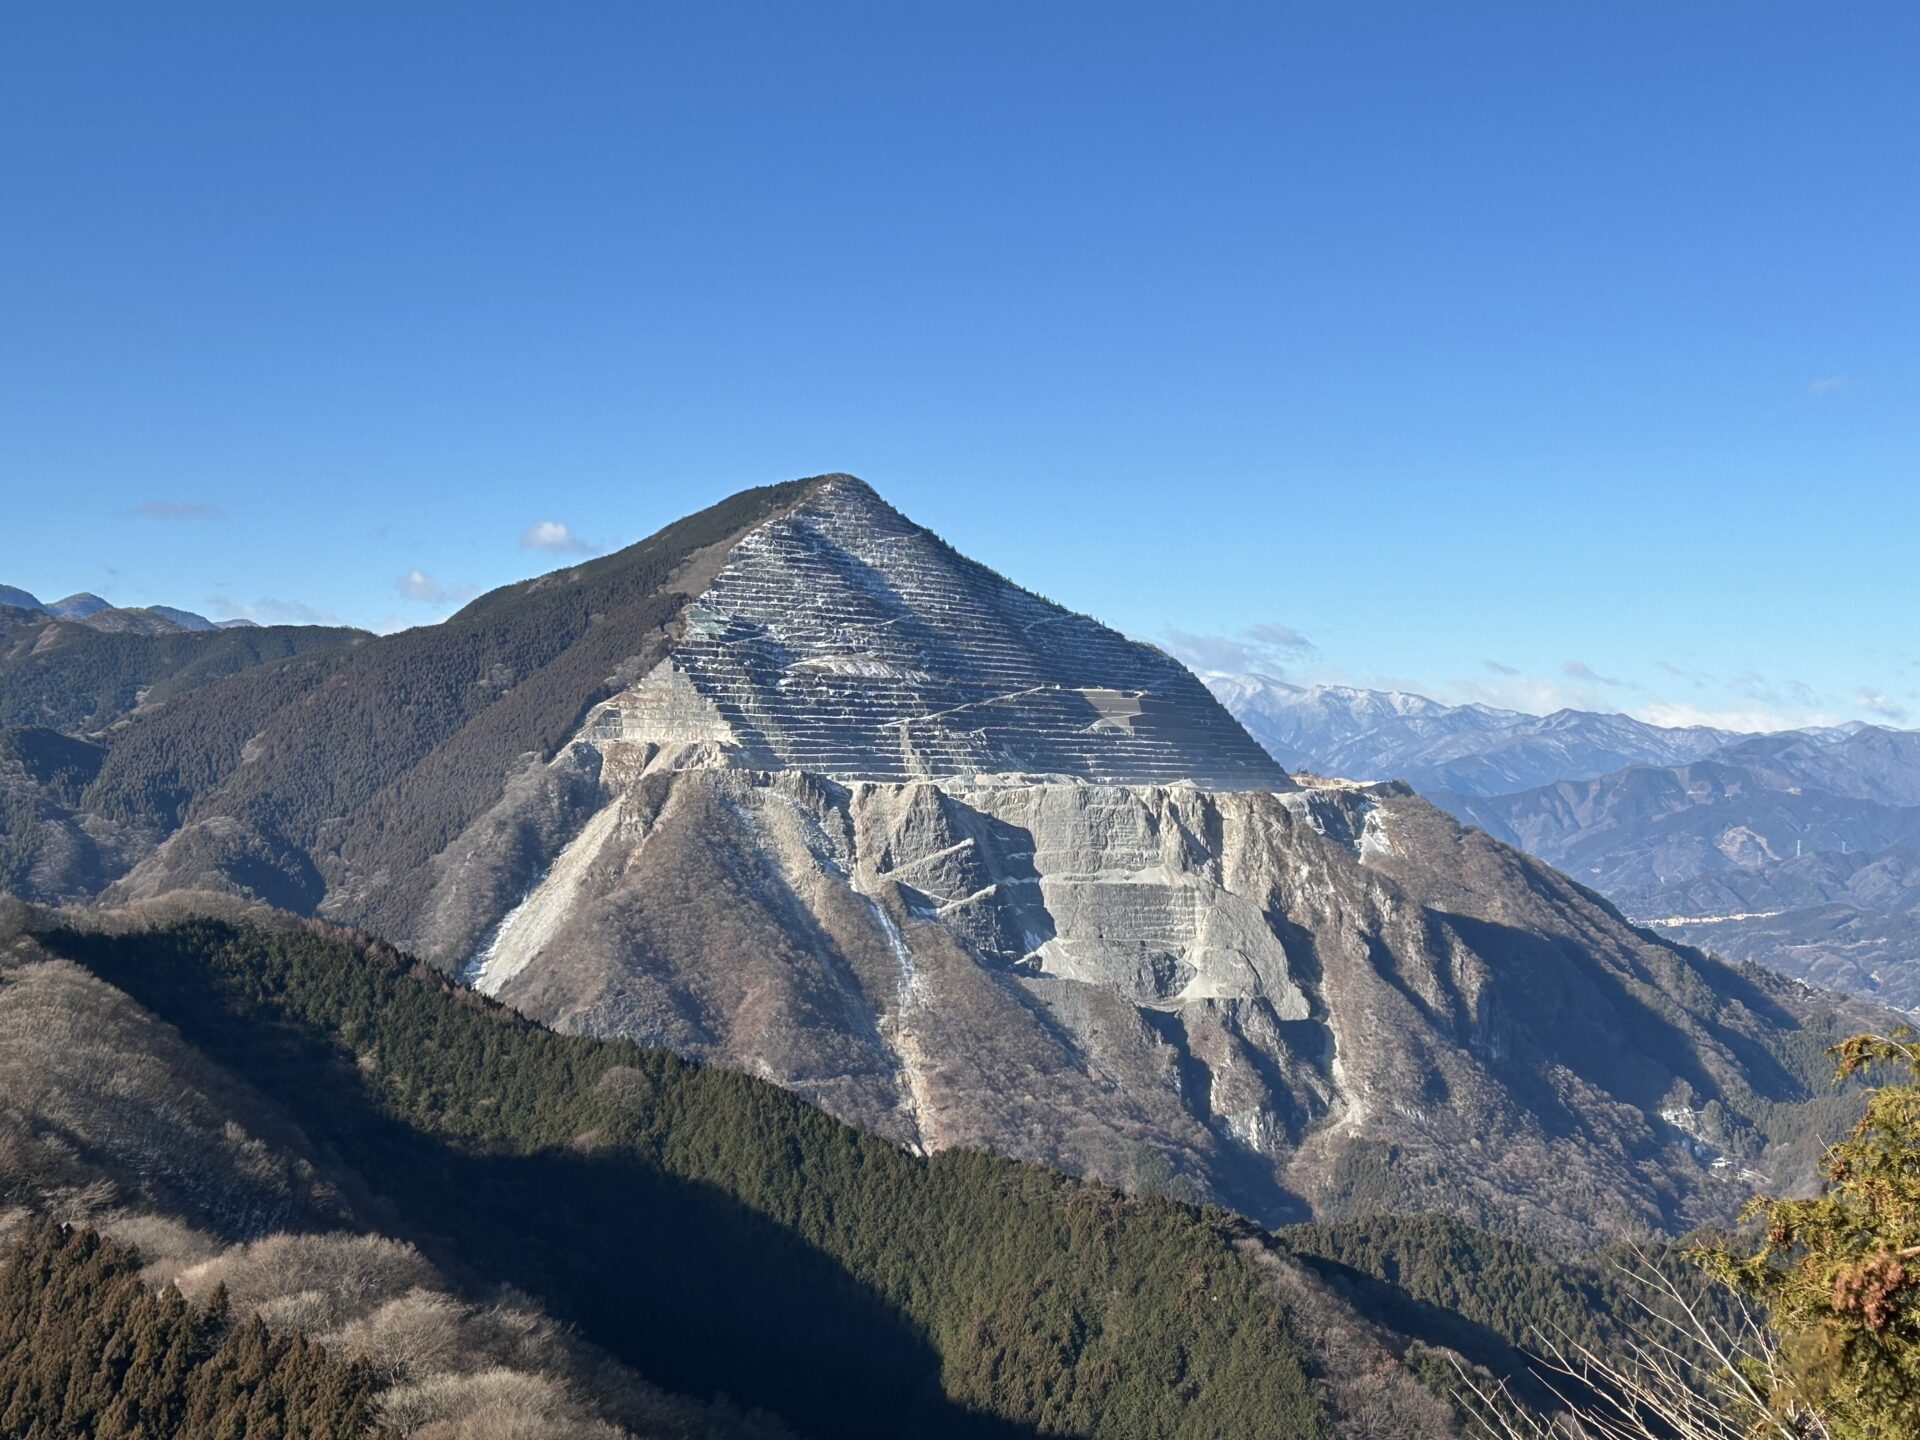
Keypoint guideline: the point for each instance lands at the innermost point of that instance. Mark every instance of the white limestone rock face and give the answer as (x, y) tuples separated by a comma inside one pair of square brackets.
[(1017, 967), (1249, 985)]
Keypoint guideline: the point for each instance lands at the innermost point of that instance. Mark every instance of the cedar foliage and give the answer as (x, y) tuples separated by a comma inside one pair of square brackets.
[(1432, 1268), (1839, 1272), (1493, 1300), (719, 1234), (86, 1349)]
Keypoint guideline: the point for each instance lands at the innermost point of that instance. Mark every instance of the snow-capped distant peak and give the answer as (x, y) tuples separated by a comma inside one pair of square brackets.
[(1467, 749)]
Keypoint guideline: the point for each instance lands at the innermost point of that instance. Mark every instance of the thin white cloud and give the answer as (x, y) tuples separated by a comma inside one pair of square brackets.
[(1828, 383), (1586, 674), (1278, 637), (176, 510), (1499, 667), (1268, 648), (271, 611), (1532, 694), (555, 538), (1699, 679), (1876, 702), (421, 587), (1748, 719), (1774, 694)]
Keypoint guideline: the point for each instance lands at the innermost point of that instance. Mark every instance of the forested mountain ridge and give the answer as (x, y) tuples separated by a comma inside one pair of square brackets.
[(110, 1118), (70, 677), (87, 1349), (68, 692), (710, 1230)]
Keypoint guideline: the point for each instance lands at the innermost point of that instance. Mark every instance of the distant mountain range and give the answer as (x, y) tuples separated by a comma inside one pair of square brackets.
[(1446, 749), (1799, 850), (90, 609)]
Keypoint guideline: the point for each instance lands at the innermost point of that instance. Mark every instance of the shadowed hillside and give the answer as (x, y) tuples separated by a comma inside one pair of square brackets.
[(714, 1231)]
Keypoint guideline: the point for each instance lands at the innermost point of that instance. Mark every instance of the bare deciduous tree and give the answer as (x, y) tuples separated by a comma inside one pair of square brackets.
[(1687, 1372)]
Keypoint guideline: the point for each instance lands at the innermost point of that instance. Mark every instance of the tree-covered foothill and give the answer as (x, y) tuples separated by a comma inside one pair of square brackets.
[(1435, 1276), (88, 1350), (717, 1233), (78, 680)]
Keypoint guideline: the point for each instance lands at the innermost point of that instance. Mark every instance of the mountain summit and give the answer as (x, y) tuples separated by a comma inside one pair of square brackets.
[(842, 639)]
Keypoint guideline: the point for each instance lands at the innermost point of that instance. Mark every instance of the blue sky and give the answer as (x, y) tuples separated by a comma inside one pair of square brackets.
[(1530, 353)]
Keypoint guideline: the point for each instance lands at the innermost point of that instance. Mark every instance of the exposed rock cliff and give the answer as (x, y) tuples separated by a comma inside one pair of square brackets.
[(1313, 1000), (969, 870)]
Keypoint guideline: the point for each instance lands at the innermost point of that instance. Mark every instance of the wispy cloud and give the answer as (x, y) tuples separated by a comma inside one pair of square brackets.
[(1499, 667), (176, 510), (1266, 648), (1587, 675), (1780, 694), (1538, 695), (1533, 694), (556, 539), (1699, 679), (1875, 702), (1827, 384), (272, 611), (1745, 719), (419, 586), (1277, 637)]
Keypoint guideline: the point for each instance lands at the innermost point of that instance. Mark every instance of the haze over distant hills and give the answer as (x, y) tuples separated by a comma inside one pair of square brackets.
[(89, 609), (1446, 749), (1796, 850)]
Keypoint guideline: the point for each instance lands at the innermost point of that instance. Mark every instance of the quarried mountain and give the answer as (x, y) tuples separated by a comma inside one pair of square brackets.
[(794, 788), (972, 871)]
